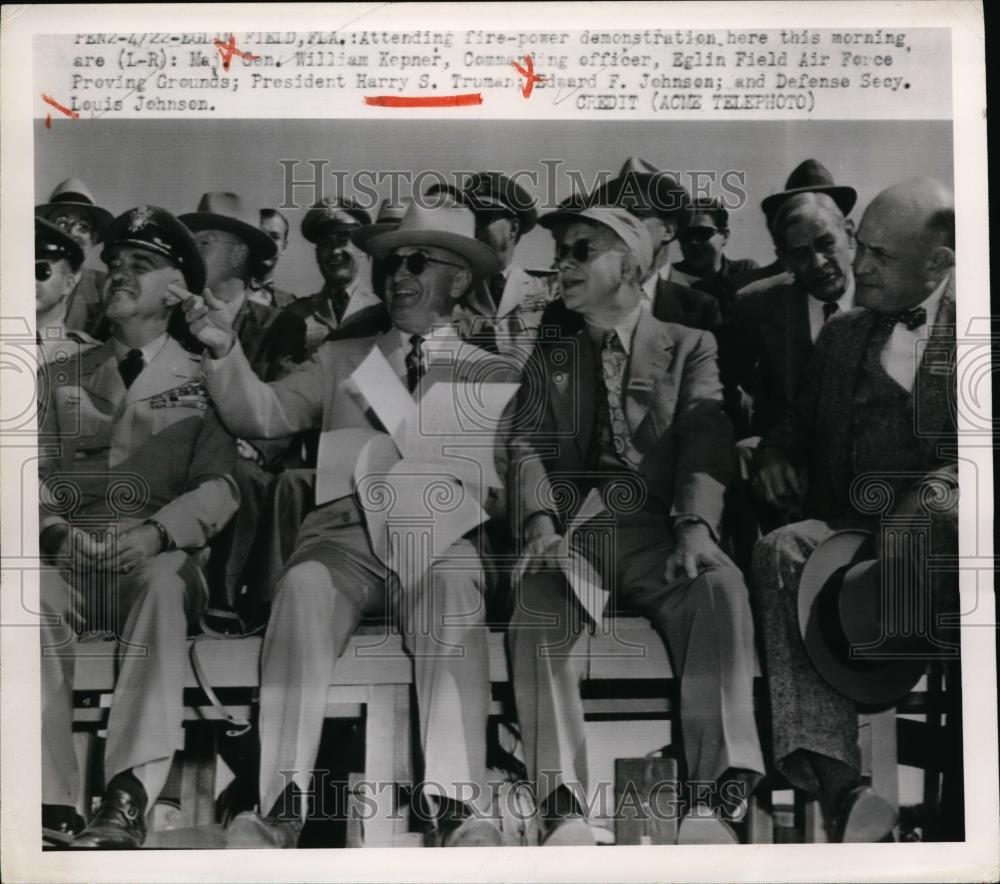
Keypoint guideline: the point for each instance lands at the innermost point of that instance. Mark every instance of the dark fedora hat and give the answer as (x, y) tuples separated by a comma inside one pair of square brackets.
[(155, 229), (223, 210), (75, 194), (493, 193), (810, 176), (643, 189), (333, 215), (840, 611)]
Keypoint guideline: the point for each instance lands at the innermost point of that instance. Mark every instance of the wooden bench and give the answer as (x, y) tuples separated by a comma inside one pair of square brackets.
[(373, 681)]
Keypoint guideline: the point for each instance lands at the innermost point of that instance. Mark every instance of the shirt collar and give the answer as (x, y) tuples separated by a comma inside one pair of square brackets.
[(149, 352), (933, 301), (625, 329)]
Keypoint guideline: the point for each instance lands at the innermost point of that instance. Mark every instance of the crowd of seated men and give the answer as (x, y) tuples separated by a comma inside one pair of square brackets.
[(746, 431)]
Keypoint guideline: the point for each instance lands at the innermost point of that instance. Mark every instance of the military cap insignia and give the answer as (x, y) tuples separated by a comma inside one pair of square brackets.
[(139, 218)]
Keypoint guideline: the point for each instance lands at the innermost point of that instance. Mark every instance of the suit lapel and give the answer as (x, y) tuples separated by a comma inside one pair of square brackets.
[(104, 382), (571, 387), (933, 404), (648, 363)]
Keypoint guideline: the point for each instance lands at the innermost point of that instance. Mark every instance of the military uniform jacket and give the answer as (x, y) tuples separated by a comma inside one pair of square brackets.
[(816, 430), (154, 450), (515, 320)]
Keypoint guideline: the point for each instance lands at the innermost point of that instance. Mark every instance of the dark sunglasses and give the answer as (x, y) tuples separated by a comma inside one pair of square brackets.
[(581, 251), (416, 263), (43, 270), (699, 235)]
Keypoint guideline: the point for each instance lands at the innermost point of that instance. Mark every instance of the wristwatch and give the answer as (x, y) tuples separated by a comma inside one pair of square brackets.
[(166, 541)]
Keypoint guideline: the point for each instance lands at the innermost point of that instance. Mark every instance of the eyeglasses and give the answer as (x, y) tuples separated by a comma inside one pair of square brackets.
[(699, 235), (43, 270), (581, 251), (415, 262)]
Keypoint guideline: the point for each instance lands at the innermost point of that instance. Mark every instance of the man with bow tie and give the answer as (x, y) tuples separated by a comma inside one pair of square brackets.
[(346, 306), (630, 407), (876, 404), (136, 478), (334, 577)]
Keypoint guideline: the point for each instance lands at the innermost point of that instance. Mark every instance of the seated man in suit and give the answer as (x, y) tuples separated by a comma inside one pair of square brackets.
[(334, 577), (628, 403), (705, 265), (770, 334), (262, 287), (140, 482), (874, 403), (58, 259), (346, 306)]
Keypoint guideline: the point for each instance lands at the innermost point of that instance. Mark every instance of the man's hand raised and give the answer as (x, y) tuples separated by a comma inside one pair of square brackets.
[(210, 319)]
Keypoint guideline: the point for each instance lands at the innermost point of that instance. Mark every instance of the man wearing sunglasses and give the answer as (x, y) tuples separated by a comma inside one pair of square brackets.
[(504, 313), (72, 209), (629, 407), (58, 258), (135, 481), (334, 578), (705, 265), (346, 306), (661, 204)]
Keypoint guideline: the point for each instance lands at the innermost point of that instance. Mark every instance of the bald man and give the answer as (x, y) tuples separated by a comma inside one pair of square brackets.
[(870, 403)]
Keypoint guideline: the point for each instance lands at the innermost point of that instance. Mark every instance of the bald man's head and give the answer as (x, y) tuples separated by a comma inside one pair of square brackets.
[(906, 245)]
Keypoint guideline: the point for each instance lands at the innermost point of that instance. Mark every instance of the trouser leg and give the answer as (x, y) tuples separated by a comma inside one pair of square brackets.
[(311, 622), (443, 620), (547, 662)]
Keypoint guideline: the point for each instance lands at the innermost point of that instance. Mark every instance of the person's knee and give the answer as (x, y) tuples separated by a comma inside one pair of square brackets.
[(159, 578), (724, 588), (303, 583)]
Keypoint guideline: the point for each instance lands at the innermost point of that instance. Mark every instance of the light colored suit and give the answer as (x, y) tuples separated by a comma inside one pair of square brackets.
[(334, 579), (113, 457), (673, 408)]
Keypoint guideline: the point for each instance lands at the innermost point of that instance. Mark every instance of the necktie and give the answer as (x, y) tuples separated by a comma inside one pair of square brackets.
[(829, 309), (497, 283), (415, 367), (130, 367), (338, 302), (912, 319), (613, 360)]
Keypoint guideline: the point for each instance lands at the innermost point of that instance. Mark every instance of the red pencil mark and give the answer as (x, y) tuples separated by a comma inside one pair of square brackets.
[(461, 100), (48, 121), (228, 50), (61, 108), (530, 77)]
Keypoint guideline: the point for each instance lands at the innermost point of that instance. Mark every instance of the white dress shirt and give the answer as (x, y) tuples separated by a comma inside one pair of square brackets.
[(905, 348), (816, 319)]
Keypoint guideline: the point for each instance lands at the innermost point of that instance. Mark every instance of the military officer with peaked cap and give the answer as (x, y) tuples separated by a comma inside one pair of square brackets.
[(71, 207), (58, 258), (346, 303), (138, 483)]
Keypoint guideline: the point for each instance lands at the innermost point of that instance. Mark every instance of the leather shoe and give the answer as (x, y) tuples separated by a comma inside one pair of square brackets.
[(120, 821), (865, 817), (570, 831), (251, 830)]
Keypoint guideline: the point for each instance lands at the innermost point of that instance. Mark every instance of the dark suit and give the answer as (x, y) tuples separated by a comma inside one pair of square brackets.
[(721, 285), (818, 433), (673, 409), (686, 306), (764, 348)]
